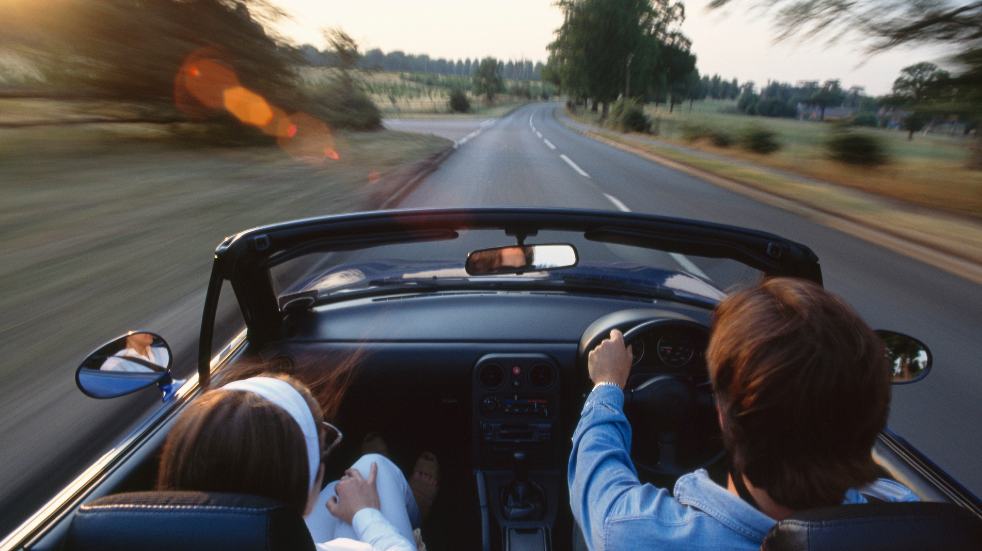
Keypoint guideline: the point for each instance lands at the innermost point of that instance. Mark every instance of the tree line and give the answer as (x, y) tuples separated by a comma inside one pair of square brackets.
[(715, 87), (399, 61), (780, 99)]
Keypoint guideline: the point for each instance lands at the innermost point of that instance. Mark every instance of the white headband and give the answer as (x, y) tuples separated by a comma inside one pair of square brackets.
[(282, 394)]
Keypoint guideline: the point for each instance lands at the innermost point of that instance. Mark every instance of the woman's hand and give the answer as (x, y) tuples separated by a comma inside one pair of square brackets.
[(354, 493), (610, 361)]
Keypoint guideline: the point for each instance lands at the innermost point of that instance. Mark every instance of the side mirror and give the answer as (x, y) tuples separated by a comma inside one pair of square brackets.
[(908, 359), (126, 364), (518, 259)]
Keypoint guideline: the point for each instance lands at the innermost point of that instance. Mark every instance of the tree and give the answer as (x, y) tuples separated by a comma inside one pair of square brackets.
[(131, 50), (914, 122), (487, 78), (828, 95), (608, 48), (344, 47), (917, 82), (680, 67)]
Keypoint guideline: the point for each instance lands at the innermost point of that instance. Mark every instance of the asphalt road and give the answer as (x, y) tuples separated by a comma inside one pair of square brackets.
[(529, 158)]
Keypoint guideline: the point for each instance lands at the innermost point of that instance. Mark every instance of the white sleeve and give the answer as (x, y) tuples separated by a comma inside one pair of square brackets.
[(373, 528), (343, 544)]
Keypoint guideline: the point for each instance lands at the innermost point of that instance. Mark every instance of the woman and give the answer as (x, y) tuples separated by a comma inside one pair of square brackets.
[(263, 436)]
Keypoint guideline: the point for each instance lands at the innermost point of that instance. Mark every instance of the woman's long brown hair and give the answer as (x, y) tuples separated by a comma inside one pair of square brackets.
[(238, 442), (327, 378), (232, 441)]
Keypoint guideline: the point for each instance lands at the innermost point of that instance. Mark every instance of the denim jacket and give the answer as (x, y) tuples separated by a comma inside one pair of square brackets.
[(615, 511)]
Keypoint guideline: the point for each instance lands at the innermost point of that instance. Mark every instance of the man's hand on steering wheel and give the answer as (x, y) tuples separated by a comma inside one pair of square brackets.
[(610, 361)]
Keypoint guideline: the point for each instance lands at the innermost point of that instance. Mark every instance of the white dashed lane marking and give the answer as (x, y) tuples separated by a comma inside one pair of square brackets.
[(574, 166), (549, 144), (617, 202), (466, 139)]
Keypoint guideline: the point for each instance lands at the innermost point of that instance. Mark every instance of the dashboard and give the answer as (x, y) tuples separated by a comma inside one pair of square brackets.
[(489, 372), (675, 350)]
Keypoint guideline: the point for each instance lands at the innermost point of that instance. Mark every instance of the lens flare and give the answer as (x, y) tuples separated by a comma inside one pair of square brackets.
[(312, 141), (205, 80), (247, 106), (205, 85)]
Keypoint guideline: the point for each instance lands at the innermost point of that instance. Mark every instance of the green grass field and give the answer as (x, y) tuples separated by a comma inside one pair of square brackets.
[(928, 171), (803, 138)]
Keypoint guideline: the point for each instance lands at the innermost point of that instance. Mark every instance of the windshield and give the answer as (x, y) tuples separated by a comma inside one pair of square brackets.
[(608, 267), (136, 134)]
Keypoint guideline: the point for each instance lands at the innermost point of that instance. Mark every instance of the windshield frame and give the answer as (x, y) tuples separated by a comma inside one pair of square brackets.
[(246, 258)]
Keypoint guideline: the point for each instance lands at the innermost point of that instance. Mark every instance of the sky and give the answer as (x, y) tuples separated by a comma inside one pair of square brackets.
[(734, 42)]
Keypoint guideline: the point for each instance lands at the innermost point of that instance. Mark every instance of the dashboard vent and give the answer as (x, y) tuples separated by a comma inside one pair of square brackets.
[(491, 375), (541, 375)]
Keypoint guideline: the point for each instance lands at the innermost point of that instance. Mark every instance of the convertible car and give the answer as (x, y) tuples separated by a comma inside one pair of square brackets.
[(465, 332)]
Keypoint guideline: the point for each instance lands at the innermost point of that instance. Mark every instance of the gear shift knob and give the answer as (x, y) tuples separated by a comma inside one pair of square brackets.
[(520, 466)]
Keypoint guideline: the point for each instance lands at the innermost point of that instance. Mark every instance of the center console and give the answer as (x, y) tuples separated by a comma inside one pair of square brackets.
[(516, 401)]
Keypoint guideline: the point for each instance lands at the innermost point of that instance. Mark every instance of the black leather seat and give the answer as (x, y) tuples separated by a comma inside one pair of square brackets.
[(189, 521), (878, 526)]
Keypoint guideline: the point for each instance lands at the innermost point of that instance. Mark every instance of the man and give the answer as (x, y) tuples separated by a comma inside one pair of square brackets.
[(138, 345), (802, 389)]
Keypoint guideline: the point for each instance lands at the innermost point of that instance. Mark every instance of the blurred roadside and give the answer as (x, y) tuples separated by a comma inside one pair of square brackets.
[(104, 233), (135, 136), (946, 238)]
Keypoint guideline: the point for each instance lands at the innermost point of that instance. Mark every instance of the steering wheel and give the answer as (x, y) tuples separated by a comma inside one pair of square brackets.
[(673, 415)]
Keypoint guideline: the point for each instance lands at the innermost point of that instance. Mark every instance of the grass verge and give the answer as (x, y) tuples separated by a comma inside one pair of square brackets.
[(958, 236), (928, 171)]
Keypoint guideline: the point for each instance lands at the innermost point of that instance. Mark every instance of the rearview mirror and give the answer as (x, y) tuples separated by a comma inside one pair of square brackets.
[(126, 364), (518, 259), (908, 359)]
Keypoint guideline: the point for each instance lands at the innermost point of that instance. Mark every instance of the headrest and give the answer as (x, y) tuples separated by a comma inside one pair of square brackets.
[(189, 521), (876, 526)]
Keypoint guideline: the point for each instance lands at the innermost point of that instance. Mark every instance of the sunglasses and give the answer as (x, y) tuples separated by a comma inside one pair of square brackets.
[(332, 438)]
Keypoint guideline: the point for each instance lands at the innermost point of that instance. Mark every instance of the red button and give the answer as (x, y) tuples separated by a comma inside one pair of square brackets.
[(516, 371)]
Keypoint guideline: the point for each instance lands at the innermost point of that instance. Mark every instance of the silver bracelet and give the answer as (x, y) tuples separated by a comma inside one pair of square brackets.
[(607, 383)]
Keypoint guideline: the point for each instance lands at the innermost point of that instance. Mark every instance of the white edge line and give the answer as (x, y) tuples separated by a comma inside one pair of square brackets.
[(548, 143), (617, 202), (574, 166), (537, 133), (465, 139)]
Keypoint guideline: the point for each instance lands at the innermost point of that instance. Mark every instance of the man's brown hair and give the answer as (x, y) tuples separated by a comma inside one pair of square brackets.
[(802, 387)]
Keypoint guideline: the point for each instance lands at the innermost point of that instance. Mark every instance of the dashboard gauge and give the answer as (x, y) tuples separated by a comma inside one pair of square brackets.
[(637, 351), (675, 350)]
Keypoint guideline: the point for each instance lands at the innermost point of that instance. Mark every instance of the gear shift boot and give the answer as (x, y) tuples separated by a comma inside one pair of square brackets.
[(522, 499)]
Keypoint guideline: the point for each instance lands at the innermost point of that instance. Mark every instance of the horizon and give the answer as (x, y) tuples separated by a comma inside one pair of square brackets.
[(729, 42)]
